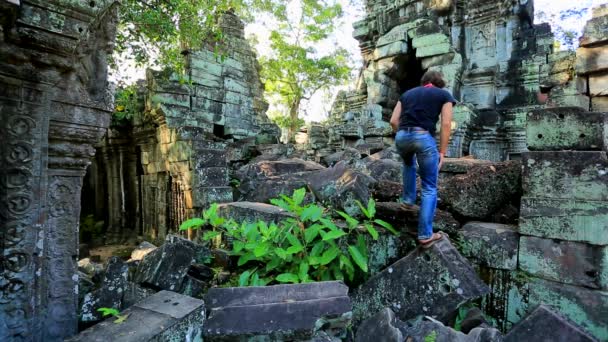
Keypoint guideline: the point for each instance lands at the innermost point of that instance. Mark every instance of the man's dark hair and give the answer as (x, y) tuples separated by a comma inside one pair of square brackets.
[(433, 77)]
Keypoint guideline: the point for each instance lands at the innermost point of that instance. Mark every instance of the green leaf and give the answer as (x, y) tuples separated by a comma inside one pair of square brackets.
[(261, 250), (334, 234), (351, 221), (245, 258), (210, 235), (294, 240), (317, 248), (298, 196), (358, 258), (108, 311), (281, 253), (121, 318), (295, 249), (237, 246), (311, 213), (362, 245), (386, 226), (363, 209), (244, 278), (303, 272), (329, 255), (280, 203), (371, 208), (255, 279), (372, 231), (329, 224), (287, 278), (312, 232), (193, 223), (346, 264), (274, 263)]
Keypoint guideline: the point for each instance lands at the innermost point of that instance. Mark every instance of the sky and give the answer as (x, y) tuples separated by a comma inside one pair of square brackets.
[(318, 107)]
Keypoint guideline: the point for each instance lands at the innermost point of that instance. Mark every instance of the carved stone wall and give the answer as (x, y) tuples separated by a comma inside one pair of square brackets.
[(490, 53), (54, 105)]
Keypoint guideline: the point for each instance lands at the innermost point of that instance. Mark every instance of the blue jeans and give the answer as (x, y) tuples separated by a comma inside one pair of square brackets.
[(412, 145)]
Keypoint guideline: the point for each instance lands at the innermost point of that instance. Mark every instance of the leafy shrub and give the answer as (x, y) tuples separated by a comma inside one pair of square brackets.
[(308, 247)]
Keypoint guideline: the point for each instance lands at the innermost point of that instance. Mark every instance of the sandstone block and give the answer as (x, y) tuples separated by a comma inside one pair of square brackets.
[(599, 104), (253, 212), (210, 177), (568, 175), (208, 195), (490, 244), (598, 83), (572, 220), (545, 325), (591, 59), (281, 312), (390, 50), (566, 129), (565, 261), (595, 31), (431, 282), (165, 316)]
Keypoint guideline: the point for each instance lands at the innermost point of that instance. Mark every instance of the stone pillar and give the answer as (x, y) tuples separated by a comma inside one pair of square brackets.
[(53, 107)]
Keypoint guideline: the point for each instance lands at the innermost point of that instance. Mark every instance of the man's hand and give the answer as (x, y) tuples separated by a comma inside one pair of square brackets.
[(441, 158)]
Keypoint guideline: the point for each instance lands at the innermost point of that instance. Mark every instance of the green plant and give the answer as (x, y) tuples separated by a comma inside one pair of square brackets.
[(125, 104), (310, 246), (113, 312), (432, 337)]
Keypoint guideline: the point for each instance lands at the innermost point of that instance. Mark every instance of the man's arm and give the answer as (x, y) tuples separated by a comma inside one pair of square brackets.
[(446, 130), (396, 116)]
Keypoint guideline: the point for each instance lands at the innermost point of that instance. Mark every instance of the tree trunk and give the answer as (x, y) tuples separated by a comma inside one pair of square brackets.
[(293, 118)]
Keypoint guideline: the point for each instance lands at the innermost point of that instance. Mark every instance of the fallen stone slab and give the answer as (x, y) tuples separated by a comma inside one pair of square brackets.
[(109, 294), (166, 267), (565, 261), (385, 326), (262, 190), (544, 325), (483, 190), (579, 175), (348, 154), (387, 191), (164, 316), (142, 250), (405, 217), (566, 128), (280, 312), (433, 282), (572, 220), (253, 212), (385, 169), (265, 169), (340, 187), (490, 244)]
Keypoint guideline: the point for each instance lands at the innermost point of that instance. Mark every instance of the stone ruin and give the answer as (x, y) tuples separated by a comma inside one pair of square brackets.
[(537, 238)]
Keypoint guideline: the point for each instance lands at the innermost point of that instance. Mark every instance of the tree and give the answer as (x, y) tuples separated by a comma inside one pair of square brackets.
[(566, 23), (295, 69)]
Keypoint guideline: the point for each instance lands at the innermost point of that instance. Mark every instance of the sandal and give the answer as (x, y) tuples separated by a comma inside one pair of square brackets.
[(436, 237)]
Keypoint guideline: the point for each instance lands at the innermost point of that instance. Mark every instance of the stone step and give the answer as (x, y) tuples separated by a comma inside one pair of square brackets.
[(545, 325), (490, 244), (253, 212), (433, 282), (572, 220), (281, 312), (565, 261), (568, 174), (164, 316), (566, 128)]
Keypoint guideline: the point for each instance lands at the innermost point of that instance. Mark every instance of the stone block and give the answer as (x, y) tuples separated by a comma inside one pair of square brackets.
[(210, 177), (141, 251), (591, 59), (585, 307), (109, 294), (281, 312), (572, 220), (253, 212), (567, 175), (390, 50), (433, 282), (433, 50), (209, 158), (208, 195), (270, 168), (565, 261), (599, 104), (164, 316), (598, 83), (167, 266), (595, 31), (569, 128), (429, 40), (545, 325), (490, 244), (407, 216)]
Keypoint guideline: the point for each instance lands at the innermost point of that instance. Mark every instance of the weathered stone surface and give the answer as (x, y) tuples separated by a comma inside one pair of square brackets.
[(595, 31), (167, 266), (566, 129), (545, 325), (430, 282), (490, 244), (591, 59), (135, 293), (252, 212), (280, 312), (598, 83), (384, 326), (565, 261), (350, 155), (110, 293), (568, 174), (405, 217), (165, 316), (265, 169), (573, 220), (340, 187), (264, 189), (482, 190), (142, 250), (385, 169)]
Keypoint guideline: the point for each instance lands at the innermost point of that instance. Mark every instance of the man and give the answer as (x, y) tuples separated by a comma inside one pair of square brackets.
[(414, 119)]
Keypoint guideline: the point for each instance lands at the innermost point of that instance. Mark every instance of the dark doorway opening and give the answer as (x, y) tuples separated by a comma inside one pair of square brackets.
[(407, 70)]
